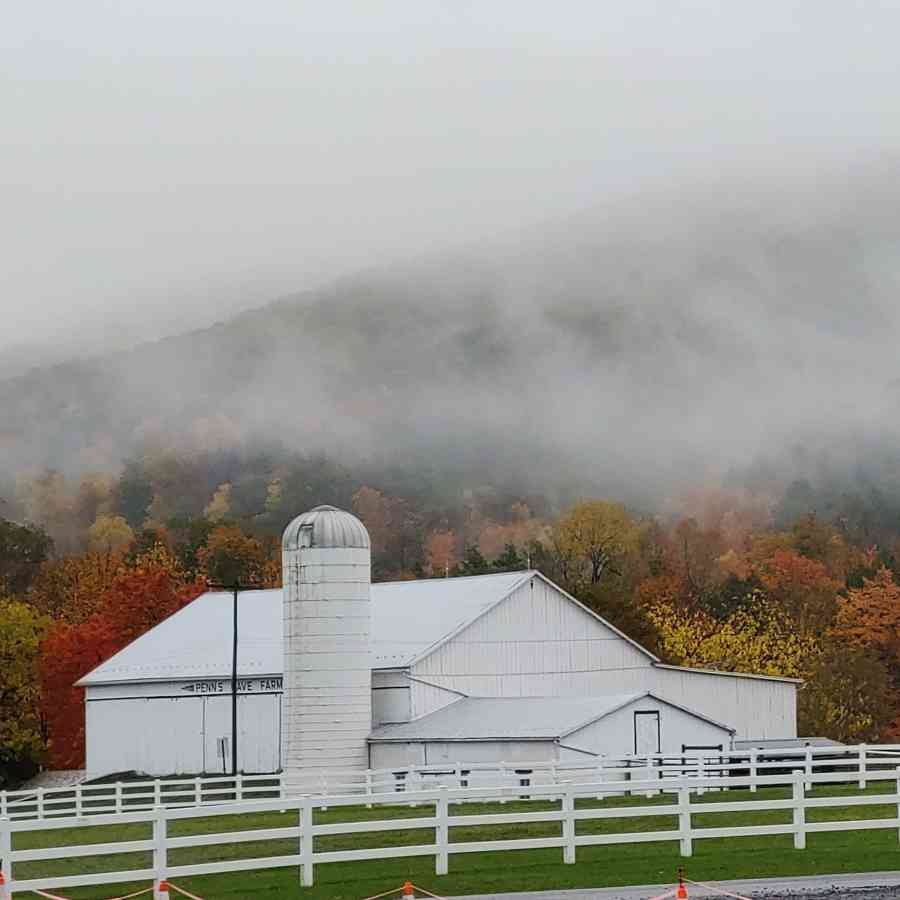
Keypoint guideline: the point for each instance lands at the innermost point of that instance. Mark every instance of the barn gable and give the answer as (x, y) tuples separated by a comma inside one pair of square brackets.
[(536, 641)]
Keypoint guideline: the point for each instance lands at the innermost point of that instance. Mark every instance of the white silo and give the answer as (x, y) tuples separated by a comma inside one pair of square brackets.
[(327, 711)]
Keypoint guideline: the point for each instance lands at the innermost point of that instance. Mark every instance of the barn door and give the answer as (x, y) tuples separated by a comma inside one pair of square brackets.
[(646, 733)]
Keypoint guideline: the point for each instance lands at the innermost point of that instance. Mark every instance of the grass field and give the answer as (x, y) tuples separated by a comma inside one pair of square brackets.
[(876, 850)]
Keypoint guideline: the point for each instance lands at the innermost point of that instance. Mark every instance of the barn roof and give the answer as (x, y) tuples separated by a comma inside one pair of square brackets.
[(408, 618), (514, 718)]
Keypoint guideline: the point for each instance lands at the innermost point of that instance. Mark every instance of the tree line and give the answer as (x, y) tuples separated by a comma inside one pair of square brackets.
[(719, 579)]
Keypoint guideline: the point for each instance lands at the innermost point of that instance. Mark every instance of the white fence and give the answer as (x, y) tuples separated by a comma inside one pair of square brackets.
[(437, 817), (135, 796)]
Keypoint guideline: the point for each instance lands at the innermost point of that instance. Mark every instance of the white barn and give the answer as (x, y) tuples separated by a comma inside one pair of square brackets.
[(487, 668)]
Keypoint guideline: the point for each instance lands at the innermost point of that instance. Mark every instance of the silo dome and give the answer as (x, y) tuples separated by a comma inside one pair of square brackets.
[(325, 527)]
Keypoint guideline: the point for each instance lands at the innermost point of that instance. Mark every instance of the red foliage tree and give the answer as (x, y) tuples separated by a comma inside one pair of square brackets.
[(136, 601)]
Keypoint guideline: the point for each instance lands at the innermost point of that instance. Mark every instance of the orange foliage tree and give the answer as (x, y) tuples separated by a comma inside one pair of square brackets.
[(137, 600)]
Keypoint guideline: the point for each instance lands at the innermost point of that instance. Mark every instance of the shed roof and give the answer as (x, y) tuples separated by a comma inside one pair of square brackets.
[(514, 718), (408, 617)]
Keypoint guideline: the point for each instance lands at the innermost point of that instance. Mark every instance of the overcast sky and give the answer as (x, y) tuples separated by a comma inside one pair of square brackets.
[(164, 163)]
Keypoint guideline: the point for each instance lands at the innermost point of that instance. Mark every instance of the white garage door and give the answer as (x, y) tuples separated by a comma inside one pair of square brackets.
[(259, 733), (156, 735)]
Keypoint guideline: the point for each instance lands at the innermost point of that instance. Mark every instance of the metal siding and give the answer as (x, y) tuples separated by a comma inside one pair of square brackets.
[(613, 735), (327, 711), (756, 708), (537, 642)]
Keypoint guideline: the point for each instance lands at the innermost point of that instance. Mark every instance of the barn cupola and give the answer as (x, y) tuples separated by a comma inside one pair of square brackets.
[(327, 707)]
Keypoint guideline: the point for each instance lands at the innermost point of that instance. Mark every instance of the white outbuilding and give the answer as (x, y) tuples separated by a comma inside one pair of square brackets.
[(336, 673)]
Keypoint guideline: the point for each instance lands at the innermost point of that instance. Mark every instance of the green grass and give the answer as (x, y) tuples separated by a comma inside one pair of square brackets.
[(651, 862)]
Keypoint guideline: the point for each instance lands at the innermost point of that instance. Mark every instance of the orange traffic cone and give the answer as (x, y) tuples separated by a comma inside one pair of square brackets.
[(408, 889), (162, 892), (681, 893)]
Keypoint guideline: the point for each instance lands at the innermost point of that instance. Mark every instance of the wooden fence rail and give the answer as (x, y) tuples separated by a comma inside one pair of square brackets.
[(437, 816), (116, 797)]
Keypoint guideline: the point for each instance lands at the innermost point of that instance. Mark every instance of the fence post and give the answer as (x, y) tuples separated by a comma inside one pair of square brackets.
[(198, 792), (862, 767), (754, 772), (601, 795), (684, 819), (160, 855), (79, 797), (40, 803), (239, 786), (809, 767), (701, 773), (306, 842), (799, 811), (368, 786), (649, 775), (118, 797), (898, 800), (5, 861), (568, 824), (458, 773), (442, 833)]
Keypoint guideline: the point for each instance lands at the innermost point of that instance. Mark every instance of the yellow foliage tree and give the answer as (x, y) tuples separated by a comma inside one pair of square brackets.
[(109, 534), (760, 639), (21, 743), (592, 538)]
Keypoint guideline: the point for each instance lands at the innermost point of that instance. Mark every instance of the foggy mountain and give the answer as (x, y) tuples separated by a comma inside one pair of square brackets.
[(642, 343)]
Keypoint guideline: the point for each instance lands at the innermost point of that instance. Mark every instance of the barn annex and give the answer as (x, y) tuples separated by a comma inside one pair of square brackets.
[(486, 668)]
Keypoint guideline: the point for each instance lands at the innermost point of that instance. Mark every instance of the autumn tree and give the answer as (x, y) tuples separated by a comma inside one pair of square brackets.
[(591, 539), (232, 557), (802, 587), (847, 696), (440, 552), (70, 589), (109, 534), (870, 616), (137, 600), (762, 639), (21, 737)]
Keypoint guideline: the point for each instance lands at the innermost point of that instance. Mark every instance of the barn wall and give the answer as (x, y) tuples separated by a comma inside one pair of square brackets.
[(168, 732), (387, 756), (613, 735), (390, 697), (535, 643), (755, 707)]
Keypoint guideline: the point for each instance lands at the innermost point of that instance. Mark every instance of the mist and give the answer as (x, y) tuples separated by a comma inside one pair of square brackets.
[(167, 166), (616, 248)]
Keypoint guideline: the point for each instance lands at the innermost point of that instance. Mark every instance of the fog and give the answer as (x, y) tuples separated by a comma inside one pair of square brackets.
[(620, 246), (165, 165)]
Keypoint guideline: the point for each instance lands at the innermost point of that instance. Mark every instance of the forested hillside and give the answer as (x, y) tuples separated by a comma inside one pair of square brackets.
[(632, 348), (684, 411)]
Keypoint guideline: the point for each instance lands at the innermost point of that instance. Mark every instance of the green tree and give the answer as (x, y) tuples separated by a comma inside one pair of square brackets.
[(473, 563), (22, 550), (510, 560), (135, 493)]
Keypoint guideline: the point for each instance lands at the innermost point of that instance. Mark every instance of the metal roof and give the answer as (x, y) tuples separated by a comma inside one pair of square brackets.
[(516, 718), (505, 718), (408, 617), (325, 526), (661, 665)]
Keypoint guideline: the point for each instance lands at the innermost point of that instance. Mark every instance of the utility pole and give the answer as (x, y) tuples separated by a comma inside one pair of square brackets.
[(234, 690), (236, 587)]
